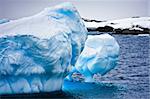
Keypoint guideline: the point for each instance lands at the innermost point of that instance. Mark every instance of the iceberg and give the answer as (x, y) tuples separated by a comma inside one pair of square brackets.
[(36, 51), (3, 21), (100, 55)]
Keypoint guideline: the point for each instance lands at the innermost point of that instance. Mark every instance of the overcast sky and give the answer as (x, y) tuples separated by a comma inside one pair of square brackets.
[(92, 9)]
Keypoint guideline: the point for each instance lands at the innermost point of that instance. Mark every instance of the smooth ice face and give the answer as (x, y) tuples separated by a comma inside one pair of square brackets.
[(100, 55), (36, 51)]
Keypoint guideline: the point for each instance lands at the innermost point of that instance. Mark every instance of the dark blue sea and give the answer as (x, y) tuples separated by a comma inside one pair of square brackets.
[(129, 80)]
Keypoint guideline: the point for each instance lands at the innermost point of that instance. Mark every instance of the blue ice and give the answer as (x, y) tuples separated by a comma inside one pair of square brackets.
[(3, 21), (100, 55), (36, 51)]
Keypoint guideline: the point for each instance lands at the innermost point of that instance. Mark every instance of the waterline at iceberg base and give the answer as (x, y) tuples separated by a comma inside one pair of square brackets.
[(36, 51)]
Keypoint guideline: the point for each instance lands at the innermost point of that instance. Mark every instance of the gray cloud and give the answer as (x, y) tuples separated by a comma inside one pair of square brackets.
[(93, 9)]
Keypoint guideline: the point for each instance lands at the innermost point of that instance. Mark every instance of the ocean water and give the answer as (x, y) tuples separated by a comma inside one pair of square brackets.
[(129, 80)]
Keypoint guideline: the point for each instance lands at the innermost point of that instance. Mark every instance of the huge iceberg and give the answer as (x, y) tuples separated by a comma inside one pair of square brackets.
[(36, 51), (100, 55)]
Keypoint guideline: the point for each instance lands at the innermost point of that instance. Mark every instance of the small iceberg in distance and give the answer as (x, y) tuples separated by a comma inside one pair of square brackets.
[(3, 21), (36, 51)]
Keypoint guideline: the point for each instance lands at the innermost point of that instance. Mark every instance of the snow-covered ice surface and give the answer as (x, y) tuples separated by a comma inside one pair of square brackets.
[(36, 51), (100, 55), (127, 23)]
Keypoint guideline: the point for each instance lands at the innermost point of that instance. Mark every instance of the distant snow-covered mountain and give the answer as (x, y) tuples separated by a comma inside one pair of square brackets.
[(136, 25)]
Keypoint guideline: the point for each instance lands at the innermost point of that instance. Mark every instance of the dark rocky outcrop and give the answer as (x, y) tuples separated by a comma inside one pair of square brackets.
[(92, 20), (105, 29)]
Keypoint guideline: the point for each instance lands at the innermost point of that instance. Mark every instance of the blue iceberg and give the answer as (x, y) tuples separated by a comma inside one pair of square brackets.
[(100, 55), (3, 21), (36, 51)]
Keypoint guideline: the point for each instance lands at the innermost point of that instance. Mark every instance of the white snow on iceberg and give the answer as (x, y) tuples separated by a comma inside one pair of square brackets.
[(36, 51)]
